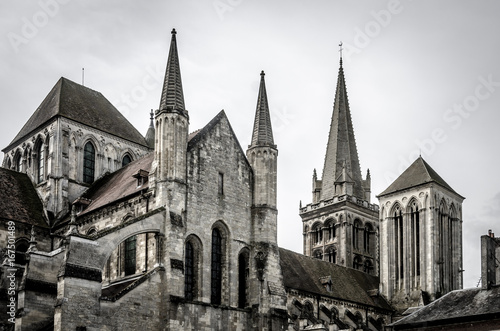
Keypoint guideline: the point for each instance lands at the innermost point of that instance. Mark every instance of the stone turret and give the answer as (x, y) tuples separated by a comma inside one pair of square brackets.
[(171, 135), (267, 290)]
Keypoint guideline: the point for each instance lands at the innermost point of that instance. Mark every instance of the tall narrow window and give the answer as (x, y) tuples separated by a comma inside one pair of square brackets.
[(357, 264), (332, 256), (189, 272), (126, 160), (415, 228), (130, 256), (398, 244), (243, 273), (88, 163), (216, 286), (19, 163), (40, 163), (221, 183), (366, 239), (355, 234)]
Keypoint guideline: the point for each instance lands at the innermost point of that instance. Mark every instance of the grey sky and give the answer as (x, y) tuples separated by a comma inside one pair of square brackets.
[(422, 77)]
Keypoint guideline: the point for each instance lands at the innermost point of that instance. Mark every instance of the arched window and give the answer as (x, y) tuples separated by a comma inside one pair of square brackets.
[(367, 237), (40, 162), (357, 264), (368, 267), (189, 277), (332, 255), (130, 252), (356, 229), (88, 163), (330, 228), (243, 273), (415, 238), (308, 310), (318, 255), (91, 232), (18, 162), (9, 163), (216, 284), (126, 160), (22, 246), (317, 234), (398, 244)]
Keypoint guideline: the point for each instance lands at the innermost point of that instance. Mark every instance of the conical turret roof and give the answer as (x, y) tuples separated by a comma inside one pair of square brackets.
[(172, 96), (262, 129)]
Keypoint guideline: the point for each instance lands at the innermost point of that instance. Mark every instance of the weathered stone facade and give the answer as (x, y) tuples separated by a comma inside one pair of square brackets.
[(178, 230), (420, 238)]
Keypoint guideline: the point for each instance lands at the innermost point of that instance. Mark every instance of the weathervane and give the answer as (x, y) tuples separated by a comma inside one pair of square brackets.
[(340, 49)]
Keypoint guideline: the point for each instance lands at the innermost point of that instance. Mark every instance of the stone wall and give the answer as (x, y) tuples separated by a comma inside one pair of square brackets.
[(425, 276)]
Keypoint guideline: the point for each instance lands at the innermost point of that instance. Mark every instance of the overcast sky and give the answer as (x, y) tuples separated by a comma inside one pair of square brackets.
[(422, 77)]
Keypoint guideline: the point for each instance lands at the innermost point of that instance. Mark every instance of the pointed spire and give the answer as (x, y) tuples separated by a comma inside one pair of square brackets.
[(341, 151), (262, 128), (150, 134), (172, 96)]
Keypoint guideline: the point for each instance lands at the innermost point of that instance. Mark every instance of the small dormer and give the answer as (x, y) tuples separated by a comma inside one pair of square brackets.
[(142, 177), (327, 283), (80, 204)]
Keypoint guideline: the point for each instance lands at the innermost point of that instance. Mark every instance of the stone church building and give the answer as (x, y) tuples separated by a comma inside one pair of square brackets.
[(103, 228)]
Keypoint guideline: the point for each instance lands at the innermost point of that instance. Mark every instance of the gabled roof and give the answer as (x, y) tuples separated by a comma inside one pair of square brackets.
[(304, 273), (262, 129), (19, 199), (418, 173), (456, 307), (83, 105), (341, 149)]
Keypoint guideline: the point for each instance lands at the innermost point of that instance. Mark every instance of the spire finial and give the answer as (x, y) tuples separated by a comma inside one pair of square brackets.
[(340, 50), (262, 73), (174, 32), (151, 123)]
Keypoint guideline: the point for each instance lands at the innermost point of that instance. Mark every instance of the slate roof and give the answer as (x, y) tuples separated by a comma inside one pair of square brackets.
[(122, 184), (303, 273), (118, 185), (341, 149), (418, 173), (19, 199), (456, 306), (83, 105)]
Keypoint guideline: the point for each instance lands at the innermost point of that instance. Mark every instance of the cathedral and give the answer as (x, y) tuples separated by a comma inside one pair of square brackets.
[(106, 229)]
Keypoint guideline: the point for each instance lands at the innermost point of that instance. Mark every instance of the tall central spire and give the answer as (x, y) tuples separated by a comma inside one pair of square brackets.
[(341, 160), (262, 129), (172, 96)]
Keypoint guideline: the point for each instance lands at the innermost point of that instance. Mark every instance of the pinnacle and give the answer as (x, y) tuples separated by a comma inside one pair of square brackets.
[(262, 130), (172, 96)]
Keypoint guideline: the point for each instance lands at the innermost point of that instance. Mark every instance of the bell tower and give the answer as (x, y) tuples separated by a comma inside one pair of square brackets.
[(420, 238), (341, 225)]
